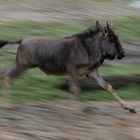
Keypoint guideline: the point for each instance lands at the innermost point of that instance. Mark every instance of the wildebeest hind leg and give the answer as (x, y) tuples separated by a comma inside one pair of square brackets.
[(73, 84), (13, 72)]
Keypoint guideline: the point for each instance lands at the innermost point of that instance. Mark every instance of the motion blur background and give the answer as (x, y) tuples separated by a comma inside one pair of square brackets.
[(60, 18), (57, 19)]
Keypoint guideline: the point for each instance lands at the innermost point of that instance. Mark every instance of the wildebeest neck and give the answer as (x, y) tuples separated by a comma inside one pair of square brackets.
[(94, 48)]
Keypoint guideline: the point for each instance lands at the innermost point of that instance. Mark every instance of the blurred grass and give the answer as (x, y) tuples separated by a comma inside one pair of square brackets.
[(129, 29), (120, 70), (18, 29), (35, 85), (130, 93)]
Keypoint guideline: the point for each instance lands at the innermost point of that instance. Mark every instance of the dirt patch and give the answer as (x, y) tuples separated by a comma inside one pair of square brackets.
[(64, 120), (64, 10)]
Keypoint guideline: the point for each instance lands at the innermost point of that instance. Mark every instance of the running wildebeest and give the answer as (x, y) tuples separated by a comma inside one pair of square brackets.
[(78, 55)]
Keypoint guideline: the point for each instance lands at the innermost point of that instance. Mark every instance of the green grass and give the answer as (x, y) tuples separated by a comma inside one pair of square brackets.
[(129, 93), (120, 70), (22, 29), (129, 29), (35, 85)]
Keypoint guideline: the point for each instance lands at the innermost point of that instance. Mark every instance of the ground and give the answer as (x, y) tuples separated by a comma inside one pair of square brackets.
[(64, 10), (70, 120)]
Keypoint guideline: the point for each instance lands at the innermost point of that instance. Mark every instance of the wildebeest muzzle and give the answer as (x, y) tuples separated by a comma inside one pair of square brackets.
[(121, 54)]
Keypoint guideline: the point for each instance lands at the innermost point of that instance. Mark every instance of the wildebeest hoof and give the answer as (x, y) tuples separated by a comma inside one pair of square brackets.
[(132, 110), (74, 90)]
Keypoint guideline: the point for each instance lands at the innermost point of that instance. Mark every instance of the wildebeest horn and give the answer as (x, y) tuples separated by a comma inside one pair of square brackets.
[(93, 26), (97, 22), (98, 26), (109, 24)]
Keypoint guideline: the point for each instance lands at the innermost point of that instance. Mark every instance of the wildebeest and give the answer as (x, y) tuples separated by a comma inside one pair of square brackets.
[(78, 55)]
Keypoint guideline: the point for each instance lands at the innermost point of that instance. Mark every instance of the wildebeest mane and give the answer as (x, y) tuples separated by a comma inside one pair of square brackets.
[(85, 38), (83, 35)]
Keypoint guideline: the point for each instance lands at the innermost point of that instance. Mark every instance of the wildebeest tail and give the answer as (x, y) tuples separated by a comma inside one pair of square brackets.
[(5, 42)]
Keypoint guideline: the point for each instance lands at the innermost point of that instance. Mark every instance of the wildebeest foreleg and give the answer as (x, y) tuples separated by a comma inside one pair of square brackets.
[(105, 85), (9, 76)]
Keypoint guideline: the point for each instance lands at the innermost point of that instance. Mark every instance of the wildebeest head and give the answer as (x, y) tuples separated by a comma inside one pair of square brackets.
[(111, 44)]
